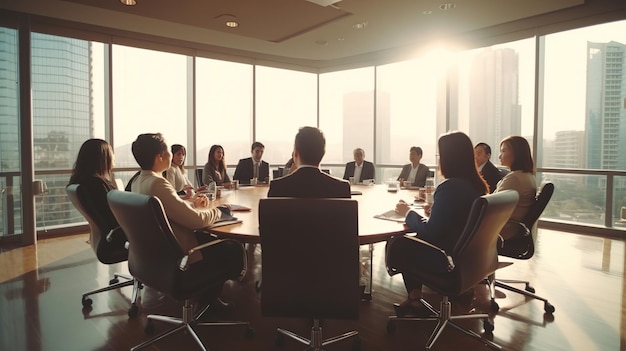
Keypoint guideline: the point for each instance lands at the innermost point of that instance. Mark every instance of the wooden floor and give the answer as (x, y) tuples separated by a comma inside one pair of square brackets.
[(40, 304)]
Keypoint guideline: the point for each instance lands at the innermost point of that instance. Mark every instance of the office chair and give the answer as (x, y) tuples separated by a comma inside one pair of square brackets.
[(199, 181), (522, 247), (474, 257), (310, 264), (131, 180), (157, 260), (108, 244)]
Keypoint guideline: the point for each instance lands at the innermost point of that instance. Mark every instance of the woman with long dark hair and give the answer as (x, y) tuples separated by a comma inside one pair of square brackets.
[(453, 199), (215, 168), (177, 174)]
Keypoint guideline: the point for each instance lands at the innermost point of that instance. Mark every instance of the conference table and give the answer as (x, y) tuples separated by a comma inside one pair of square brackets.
[(373, 200)]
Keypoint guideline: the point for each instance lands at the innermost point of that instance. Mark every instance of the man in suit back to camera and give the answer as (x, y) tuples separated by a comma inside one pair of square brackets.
[(359, 169), (253, 167), (308, 180), (491, 173)]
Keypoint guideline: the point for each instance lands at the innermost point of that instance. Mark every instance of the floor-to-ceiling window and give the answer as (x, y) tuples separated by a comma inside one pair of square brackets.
[(285, 101), (150, 91), (347, 115), (224, 109), (10, 180), (583, 119), (407, 96)]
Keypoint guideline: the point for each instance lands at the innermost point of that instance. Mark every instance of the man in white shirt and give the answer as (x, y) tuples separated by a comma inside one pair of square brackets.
[(253, 167), (414, 173), (359, 169)]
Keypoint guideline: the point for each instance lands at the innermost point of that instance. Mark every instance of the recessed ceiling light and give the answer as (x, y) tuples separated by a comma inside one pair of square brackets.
[(321, 42), (129, 2), (360, 25), (427, 12), (447, 6), (341, 39), (232, 24)]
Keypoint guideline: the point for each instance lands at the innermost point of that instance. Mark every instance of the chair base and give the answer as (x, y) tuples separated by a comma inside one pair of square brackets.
[(444, 318), (188, 322), (316, 343), (115, 283), (529, 292)]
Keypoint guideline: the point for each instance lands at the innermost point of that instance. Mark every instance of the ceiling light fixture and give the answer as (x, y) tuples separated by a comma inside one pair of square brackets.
[(232, 24), (129, 2), (427, 12), (447, 6), (360, 25)]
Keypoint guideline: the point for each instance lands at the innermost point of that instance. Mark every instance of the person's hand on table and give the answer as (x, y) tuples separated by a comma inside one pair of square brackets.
[(200, 201), (402, 208), (427, 208)]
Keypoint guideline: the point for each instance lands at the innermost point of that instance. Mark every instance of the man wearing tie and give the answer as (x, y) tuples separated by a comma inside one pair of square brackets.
[(252, 167), (359, 169)]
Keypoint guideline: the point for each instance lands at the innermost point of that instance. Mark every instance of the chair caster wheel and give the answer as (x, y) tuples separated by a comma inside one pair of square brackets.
[(149, 328), (280, 340), (391, 327), (132, 312), (488, 326), (114, 281), (87, 302), (548, 307), (249, 332), (494, 306)]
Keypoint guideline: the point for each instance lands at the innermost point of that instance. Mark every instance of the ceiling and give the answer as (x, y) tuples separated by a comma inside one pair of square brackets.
[(296, 30)]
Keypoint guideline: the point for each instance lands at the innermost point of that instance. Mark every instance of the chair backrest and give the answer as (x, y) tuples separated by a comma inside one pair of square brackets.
[(154, 253), (199, 181), (475, 254), (131, 180), (277, 173), (522, 245), (99, 227), (310, 259)]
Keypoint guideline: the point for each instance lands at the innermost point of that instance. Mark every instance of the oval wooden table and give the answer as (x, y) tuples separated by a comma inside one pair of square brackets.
[(374, 200)]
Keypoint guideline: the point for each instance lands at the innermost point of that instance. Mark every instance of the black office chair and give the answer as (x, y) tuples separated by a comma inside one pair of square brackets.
[(277, 173), (522, 247), (157, 260), (108, 244), (310, 263), (450, 274), (131, 180), (199, 181)]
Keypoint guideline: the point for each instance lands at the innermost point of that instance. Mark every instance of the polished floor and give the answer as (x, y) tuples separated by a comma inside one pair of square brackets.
[(41, 287)]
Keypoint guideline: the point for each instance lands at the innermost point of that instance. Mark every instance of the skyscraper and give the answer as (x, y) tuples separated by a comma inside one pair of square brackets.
[(605, 109)]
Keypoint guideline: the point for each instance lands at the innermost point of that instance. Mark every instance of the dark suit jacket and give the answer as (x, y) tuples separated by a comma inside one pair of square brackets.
[(491, 174), (245, 171), (420, 177), (309, 182), (366, 173)]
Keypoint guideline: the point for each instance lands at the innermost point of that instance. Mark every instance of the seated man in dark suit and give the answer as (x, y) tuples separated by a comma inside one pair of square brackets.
[(252, 167), (308, 180), (491, 173), (359, 169)]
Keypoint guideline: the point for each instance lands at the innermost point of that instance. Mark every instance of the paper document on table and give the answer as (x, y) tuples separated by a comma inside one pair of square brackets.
[(239, 208), (391, 215), (225, 222)]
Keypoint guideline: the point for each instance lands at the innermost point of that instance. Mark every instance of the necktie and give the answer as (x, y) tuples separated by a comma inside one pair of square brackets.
[(256, 170)]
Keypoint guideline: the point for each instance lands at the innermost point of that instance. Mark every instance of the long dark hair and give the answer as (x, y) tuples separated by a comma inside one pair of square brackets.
[(95, 157), (522, 159), (222, 165), (456, 160), (175, 148)]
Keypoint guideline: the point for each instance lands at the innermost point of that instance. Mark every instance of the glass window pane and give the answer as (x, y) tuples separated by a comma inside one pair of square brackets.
[(406, 111), (285, 101), (150, 93), (347, 114), (584, 119), (496, 93), (223, 109), (68, 103), (10, 222)]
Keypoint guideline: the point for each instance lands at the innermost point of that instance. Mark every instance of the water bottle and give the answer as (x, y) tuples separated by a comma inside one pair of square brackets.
[(211, 190)]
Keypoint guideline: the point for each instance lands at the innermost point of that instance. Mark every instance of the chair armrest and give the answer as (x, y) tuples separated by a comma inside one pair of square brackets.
[(115, 232), (434, 248), (522, 225), (184, 261)]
